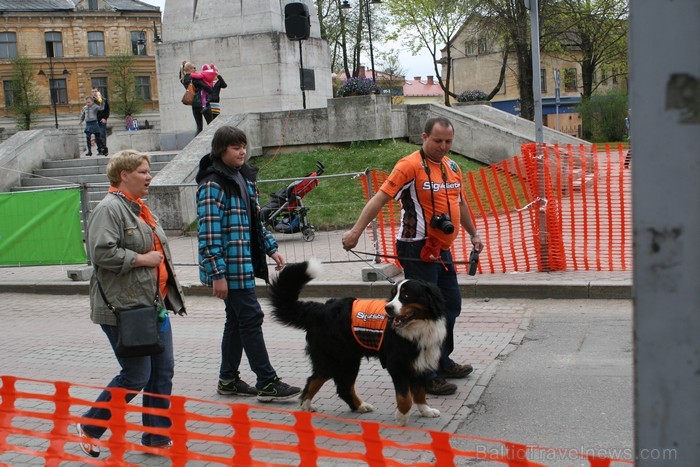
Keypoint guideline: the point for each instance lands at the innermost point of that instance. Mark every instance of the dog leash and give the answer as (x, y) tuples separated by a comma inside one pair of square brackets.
[(357, 253), (389, 279)]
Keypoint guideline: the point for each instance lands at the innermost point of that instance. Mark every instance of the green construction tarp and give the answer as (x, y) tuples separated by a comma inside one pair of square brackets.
[(41, 228)]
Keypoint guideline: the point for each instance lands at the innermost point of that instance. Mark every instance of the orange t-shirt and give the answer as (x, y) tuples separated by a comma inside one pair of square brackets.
[(410, 184)]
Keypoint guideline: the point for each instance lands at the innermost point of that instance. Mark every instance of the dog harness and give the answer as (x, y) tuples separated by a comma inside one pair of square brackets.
[(369, 320)]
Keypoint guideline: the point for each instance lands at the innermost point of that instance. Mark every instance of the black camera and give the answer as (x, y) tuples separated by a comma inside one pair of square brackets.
[(473, 261), (442, 222)]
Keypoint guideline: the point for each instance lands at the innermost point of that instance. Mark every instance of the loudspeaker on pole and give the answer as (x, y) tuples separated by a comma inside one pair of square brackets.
[(297, 21)]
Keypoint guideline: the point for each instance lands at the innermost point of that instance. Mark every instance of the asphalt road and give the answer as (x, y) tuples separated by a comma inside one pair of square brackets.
[(567, 386)]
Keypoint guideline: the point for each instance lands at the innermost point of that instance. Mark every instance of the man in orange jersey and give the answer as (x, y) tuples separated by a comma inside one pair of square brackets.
[(429, 187)]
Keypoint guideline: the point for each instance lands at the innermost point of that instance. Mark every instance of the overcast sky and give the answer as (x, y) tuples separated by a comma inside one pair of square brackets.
[(420, 65)]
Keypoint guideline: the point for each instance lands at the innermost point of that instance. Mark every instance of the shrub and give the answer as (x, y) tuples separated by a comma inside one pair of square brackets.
[(357, 86), (604, 116), (472, 95)]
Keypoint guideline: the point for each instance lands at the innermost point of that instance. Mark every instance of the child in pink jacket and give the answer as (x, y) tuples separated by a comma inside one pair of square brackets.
[(208, 75)]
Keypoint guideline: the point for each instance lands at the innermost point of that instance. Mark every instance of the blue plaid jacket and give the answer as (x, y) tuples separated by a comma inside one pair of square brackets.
[(230, 244)]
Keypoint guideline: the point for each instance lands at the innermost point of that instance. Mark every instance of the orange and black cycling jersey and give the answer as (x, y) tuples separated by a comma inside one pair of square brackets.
[(411, 185)]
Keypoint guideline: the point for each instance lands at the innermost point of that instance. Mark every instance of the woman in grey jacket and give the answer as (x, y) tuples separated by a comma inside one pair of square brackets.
[(130, 253)]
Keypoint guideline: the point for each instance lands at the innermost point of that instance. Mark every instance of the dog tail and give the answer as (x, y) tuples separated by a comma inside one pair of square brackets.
[(284, 294)]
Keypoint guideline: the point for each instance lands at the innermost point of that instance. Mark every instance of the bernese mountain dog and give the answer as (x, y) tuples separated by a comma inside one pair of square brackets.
[(406, 334)]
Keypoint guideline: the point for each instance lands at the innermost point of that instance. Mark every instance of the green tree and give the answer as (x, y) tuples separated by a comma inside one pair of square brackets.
[(26, 98), (432, 24), (592, 33), (124, 100), (347, 33)]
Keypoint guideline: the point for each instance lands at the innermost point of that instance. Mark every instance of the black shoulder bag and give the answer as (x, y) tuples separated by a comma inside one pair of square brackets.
[(137, 329)]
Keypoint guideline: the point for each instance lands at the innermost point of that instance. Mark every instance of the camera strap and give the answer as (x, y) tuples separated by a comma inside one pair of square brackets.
[(426, 166)]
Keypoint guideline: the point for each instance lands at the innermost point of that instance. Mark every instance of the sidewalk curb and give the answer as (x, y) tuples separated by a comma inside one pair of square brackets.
[(476, 289)]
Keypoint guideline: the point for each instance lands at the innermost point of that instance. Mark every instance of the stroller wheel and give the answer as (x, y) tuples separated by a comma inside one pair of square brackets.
[(308, 234)]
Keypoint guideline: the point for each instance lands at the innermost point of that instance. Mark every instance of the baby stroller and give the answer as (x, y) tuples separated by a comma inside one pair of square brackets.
[(285, 211)]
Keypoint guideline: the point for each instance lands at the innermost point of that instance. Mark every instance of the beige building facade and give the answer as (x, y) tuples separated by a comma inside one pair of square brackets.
[(477, 58), (69, 44)]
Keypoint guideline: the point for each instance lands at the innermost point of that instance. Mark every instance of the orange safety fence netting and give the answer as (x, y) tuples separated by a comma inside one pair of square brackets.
[(37, 421), (566, 208)]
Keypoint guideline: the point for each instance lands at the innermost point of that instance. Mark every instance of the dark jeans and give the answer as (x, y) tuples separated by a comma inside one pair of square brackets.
[(243, 331), (103, 134), (152, 374), (200, 115), (445, 279)]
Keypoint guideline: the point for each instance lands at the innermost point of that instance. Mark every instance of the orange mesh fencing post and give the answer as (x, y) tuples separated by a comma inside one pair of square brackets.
[(486, 230), (241, 440), (444, 455), (307, 438)]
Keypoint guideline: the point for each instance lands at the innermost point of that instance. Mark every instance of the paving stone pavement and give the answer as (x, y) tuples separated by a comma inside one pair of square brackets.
[(51, 337), (46, 334)]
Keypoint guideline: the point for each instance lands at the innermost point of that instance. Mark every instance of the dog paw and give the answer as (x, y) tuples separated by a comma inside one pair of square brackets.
[(306, 406), (365, 408), (429, 412), (401, 418)]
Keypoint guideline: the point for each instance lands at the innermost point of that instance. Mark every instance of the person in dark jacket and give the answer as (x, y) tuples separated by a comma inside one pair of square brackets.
[(198, 112), (233, 244), (102, 116)]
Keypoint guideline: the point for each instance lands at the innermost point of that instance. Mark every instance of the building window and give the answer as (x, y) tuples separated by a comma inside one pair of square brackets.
[(9, 94), (484, 45), (143, 87), (101, 85), (92, 5), (59, 94), (54, 44), (470, 47), (543, 79), (138, 42), (570, 84), (96, 44), (615, 72), (8, 45), (603, 75)]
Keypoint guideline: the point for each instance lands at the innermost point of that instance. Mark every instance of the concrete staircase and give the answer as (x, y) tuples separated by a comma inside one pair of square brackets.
[(87, 172)]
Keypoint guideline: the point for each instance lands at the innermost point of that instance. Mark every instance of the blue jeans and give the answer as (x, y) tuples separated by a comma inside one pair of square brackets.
[(153, 374), (445, 279), (243, 331)]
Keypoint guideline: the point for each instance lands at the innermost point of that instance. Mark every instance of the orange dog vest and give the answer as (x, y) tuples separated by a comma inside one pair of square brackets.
[(369, 321)]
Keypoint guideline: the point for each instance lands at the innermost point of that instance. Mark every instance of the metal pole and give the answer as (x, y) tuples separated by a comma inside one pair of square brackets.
[(371, 49), (370, 193), (539, 137), (301, 76), (536, 84), (53, 98)]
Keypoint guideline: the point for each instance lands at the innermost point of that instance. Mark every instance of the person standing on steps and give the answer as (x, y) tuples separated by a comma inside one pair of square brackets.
[(92, 127), (102, 116), (429, 187), (186, 70)]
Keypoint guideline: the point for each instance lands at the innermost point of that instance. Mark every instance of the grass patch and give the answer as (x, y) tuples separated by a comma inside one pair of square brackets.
[(336, 203)]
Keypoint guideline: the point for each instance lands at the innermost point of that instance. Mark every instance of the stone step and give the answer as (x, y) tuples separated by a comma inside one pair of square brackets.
[(87, 170), (102, 161), (87, 174)]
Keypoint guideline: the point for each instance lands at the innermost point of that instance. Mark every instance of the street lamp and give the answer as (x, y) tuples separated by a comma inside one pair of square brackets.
[(345, 6), (51, 91)]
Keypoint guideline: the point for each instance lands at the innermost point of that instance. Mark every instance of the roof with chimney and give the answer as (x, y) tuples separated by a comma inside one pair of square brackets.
[(419, 87), (74, 5)]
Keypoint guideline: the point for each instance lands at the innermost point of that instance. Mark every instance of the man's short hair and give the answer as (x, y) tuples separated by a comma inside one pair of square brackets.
[(128, 160), (442, 121), (223, 138)]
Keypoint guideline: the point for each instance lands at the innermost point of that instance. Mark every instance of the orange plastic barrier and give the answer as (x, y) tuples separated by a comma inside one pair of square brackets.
[(37, 418), (551, 209)]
